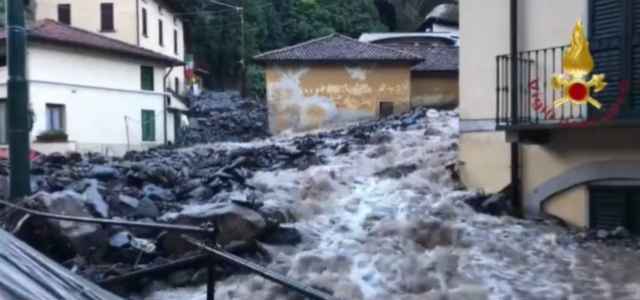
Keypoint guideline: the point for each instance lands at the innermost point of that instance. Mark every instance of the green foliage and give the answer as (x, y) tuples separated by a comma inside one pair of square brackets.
[(270, 24)]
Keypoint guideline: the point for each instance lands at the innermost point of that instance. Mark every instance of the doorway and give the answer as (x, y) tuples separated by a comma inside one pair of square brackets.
[(386, 109)]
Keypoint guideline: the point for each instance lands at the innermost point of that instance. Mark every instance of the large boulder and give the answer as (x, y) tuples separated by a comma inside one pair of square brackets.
[(233, 223), (59, 239)]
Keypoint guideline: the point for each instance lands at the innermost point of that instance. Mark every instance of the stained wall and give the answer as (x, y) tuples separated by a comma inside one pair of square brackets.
[(305, 97)]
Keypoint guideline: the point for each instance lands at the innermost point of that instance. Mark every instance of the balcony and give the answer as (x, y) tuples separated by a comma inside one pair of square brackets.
[(535, 112)]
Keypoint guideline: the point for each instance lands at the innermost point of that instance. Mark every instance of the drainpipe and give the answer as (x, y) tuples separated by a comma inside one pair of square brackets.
[(165, 96), (138, 23), (515, 146), (18, 104)]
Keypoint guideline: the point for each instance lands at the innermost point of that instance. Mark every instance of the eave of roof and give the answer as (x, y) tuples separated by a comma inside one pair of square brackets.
[(57, 33), (336, 48)]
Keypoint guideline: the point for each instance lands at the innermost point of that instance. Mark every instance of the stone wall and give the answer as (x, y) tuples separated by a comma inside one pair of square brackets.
[(434, 89), (312, 96)]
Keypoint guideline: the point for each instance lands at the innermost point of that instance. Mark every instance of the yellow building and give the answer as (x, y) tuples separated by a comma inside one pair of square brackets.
[(335, 79), (574, 162)]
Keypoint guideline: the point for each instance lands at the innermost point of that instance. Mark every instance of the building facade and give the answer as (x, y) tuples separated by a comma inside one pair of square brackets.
[(434, 81), (335, 80), (104, 95), (150, 24), (573, 162)]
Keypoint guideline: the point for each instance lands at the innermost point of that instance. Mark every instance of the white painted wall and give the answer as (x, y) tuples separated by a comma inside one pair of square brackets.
[(85, 14), (99, 91)]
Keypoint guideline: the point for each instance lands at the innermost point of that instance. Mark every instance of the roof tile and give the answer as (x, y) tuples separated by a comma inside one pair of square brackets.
[(336, 48)]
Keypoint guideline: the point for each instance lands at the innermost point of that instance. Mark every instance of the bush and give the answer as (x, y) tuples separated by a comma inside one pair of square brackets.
[(52, 136)]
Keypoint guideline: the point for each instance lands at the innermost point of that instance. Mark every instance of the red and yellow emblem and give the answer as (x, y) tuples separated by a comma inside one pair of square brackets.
[(578, 64)]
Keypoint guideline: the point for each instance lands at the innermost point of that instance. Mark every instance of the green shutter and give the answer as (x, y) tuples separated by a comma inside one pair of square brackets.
[(148, 126), (146, 76)]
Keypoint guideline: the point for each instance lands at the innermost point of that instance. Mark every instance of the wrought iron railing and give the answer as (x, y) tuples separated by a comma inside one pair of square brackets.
[(535, 95)]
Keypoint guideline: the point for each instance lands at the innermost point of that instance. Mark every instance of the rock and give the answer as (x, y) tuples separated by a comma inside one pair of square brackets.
[(281, 236), (74, 157), (56, 158), (161, 174), (234, 222), (103, 172), (432, 114), (468, 292), (95, 201), (64, 239), (431, 234), (180, 278), (397, 172), (602, 234), (620, 232), (144, 208), (156, 193), (97, 158)]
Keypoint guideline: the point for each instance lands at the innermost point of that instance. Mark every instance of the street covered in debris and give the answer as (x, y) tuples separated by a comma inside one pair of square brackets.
[(370, 211)]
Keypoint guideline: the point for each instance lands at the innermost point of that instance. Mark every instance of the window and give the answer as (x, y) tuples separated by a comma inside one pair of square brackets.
[(64, 13), (3, 122), (145, 30), (55, 117), (177, 83), (160, 33), (615, 206), (106, 14), (148, 125), (146, 76), (175, 41)]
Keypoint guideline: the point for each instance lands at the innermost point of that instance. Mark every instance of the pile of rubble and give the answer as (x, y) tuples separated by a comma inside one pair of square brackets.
[(225, 117), (163, 185)]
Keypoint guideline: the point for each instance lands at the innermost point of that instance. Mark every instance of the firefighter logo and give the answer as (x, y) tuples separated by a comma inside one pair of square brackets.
[(578, 64)]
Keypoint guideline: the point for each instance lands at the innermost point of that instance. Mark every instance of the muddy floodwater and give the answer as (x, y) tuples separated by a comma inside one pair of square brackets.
[(388, 221)]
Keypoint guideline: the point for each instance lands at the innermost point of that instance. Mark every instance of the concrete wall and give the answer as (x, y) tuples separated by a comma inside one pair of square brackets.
[(434, 89), (102, 97), (308, 97)]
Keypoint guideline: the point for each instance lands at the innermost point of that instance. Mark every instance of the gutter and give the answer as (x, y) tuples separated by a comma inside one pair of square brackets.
[(515, 146), (165, 95)]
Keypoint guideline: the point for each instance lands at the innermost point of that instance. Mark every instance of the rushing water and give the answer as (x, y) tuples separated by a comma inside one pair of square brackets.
[(367, 236)]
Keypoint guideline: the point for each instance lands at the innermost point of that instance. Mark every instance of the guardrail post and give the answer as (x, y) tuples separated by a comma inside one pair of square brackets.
[(211, 281)]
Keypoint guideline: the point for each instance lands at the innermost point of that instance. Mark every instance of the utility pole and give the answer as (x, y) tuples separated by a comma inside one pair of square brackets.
[(18, 104), (243, 65)]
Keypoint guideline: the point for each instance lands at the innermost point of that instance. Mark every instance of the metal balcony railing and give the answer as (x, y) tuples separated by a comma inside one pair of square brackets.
[(535, 95)]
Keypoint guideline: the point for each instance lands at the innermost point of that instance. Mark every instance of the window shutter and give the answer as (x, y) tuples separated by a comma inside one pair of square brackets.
[(160, 33), (64, 13), (106, 14), (145, 30), (146, 78), (608, 208), (607, 24), (634, 12), (148, 126)]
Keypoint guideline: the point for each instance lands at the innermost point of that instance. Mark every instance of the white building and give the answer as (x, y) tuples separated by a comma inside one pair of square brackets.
[(150, 24), (105, 94)]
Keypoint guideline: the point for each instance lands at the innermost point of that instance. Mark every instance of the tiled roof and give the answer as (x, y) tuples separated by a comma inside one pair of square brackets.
[(336, 48), (55, 32), (434, 59)]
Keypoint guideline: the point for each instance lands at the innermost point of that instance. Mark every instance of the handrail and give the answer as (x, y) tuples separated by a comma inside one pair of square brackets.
[(259, 270), (169, 227), (217, 253)]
